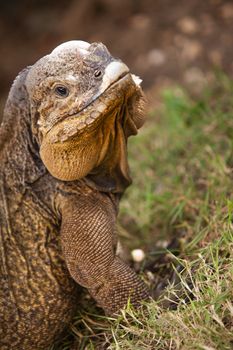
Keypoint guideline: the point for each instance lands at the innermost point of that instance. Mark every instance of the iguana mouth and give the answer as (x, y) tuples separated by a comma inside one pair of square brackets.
[(97, 109)]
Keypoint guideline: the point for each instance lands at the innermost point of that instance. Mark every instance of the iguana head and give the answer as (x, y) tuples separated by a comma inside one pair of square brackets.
[(86, 104)]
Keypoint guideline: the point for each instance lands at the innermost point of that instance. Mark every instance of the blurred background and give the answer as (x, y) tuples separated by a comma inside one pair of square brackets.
[(163, 41)]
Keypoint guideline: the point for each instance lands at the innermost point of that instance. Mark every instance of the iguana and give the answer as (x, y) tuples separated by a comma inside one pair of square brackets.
[(63, 170)]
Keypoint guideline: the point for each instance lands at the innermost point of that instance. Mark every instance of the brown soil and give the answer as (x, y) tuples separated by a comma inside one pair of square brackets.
[(163, 41)]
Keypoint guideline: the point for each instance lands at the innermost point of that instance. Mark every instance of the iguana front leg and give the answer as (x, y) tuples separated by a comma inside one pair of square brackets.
[(89, 241)]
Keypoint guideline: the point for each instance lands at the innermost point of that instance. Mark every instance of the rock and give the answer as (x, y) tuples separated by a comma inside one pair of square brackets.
[(140, 21), (227, 11), (188, 25), (156, 57), (215, 57), (194, 76), (189, 49)]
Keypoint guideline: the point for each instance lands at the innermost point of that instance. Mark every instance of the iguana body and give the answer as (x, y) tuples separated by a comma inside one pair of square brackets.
[(63, 169)]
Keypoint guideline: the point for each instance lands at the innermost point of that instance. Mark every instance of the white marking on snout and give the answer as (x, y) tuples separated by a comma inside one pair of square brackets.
[(136, 79), (71, 77), (112, 73)]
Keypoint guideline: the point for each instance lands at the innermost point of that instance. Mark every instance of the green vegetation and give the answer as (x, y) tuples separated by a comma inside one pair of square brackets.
[(181, 164)]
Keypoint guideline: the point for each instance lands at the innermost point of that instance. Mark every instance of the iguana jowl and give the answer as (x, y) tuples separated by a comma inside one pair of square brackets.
[(63, 169)]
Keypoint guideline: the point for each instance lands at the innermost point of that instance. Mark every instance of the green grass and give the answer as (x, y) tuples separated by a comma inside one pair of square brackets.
[(181, 163)]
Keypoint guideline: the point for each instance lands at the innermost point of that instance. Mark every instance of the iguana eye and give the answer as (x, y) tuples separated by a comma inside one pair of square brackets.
[(61, 91), (98, 73)]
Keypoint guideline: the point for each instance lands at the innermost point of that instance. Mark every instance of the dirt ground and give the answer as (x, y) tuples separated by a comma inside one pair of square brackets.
[(163, 41)]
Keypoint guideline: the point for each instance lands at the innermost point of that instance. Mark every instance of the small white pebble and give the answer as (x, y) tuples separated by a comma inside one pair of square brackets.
[(138, 255)]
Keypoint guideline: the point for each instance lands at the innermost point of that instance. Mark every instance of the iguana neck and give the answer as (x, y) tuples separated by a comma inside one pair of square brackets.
[(112, 174), (19, 152)]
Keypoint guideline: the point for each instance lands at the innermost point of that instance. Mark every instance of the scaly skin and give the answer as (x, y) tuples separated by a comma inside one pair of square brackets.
[(63, 169)]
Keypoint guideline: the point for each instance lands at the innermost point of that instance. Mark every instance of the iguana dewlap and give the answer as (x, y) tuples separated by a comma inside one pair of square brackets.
[(63, 169)]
